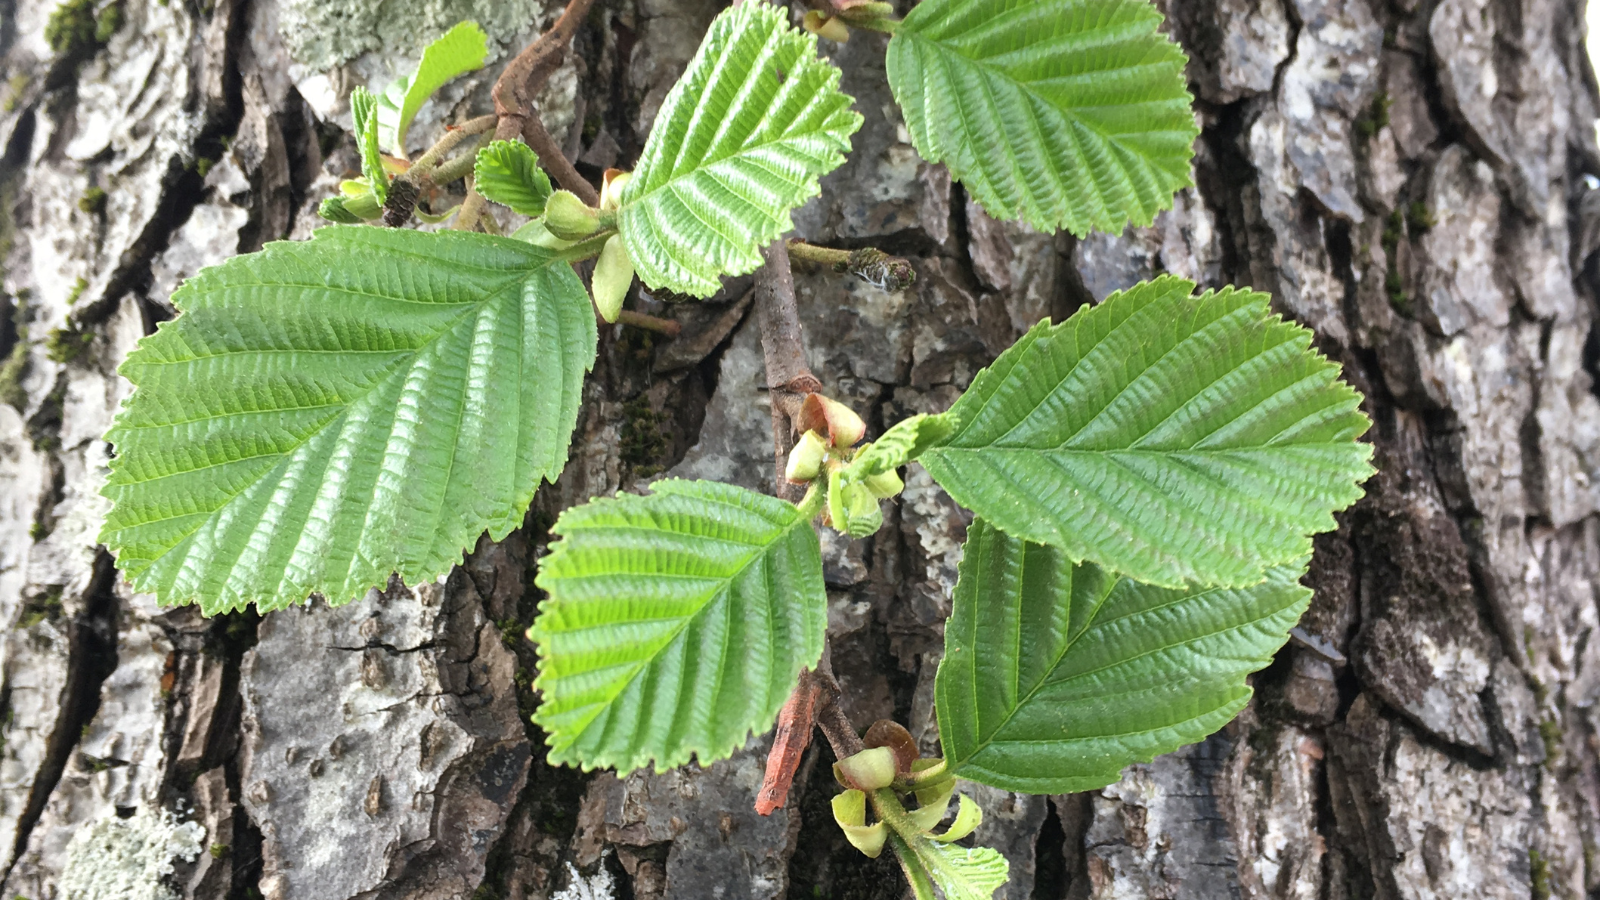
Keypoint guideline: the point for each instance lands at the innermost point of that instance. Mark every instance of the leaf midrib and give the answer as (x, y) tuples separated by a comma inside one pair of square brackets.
[(468, 312), (1067, 112), (758, 552)]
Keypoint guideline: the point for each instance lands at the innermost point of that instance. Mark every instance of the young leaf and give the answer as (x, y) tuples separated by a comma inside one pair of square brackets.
[(676, 624), (1171, 438), (903, 442), (508, 173), (740, 141), (1065, 113), (1057, 676), (328, 412), (460, 50), (961, 873), (364, 117)]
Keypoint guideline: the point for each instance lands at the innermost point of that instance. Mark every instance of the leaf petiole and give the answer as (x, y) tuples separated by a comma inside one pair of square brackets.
[(810, 505)]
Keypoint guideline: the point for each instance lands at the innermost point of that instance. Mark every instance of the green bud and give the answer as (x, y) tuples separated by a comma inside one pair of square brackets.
[(338, 209), (805, 460), (884, 484), (613, 275), (823, 25), (867, 770), (569, 218)]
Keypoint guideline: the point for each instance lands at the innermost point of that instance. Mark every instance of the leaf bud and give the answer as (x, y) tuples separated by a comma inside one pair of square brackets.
[(805, 460), (570, 218), (884, 484), (818, 413), (850, 813), (868, 770), (613, 275)]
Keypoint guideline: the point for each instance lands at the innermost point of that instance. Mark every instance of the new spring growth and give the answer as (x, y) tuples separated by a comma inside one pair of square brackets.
[(613, 272), (852, 507)]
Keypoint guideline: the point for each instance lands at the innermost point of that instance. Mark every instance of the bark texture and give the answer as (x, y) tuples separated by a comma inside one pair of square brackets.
[(1411, 178)]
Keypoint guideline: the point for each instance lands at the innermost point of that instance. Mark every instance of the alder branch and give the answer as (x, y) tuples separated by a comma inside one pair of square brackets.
[(789, 377)]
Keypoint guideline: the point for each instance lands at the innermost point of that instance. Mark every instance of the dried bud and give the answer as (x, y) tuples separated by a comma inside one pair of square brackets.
[(611, 188), (805, 460), (823, 25), (570, 218), (818, 413)]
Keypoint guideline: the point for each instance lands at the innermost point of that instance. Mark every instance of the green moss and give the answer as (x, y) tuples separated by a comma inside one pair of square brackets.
[(1376, 117), (1393, 282), (37, 532), (1419, 219), (107, 23), (643, 444), (63, 345), (71, 27), (78, 287), (14, 367), (16, 85), (1539, 875), (40, 608), (218, 851), (93, 201), (203, 165), (1550, 732)]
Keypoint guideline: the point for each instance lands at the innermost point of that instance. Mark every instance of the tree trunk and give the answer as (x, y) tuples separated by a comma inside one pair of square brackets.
[(1409, 180)]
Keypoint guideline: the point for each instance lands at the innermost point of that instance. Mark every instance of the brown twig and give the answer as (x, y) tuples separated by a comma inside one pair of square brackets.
[(789, 377), (536, 137), (648, 322), (516, 87)]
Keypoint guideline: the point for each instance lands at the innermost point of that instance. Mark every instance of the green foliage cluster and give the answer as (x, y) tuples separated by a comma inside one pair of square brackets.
[(1145, 475)]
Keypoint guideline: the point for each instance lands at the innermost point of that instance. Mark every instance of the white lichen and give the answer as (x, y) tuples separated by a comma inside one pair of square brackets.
[(129, 859), (598, 886)]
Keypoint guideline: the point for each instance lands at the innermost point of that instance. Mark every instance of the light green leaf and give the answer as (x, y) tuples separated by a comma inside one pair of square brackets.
[(1057, 676), (741, 140), (1174, 439), (460, 50), (508, 173), (903, 442), (364, 116), (1065, 113), (328, 412), (961, 873), (676, 625)]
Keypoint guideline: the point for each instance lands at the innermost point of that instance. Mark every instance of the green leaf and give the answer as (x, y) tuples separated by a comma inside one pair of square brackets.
[(460, 50), (508, 173), (364, 116), (1056, 676), (328, 412), (903, 442), (961, 873), (1171, 438), (1065, 113), (741, 140), (676, 625)]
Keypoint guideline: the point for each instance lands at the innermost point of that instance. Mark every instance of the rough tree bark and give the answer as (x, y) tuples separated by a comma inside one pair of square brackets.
[(1412, 178)]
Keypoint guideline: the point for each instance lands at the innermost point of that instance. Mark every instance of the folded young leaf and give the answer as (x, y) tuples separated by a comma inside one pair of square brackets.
[(364, 118), (903, 442), (676, 625), (1171, 438), (508, 173), (325, 413), (962, 873), (1067, 114), (460, 50), (1056, 676), (741, 140)]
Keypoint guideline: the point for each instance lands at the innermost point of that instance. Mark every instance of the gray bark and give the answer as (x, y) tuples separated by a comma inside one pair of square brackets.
[(1408, 178)]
